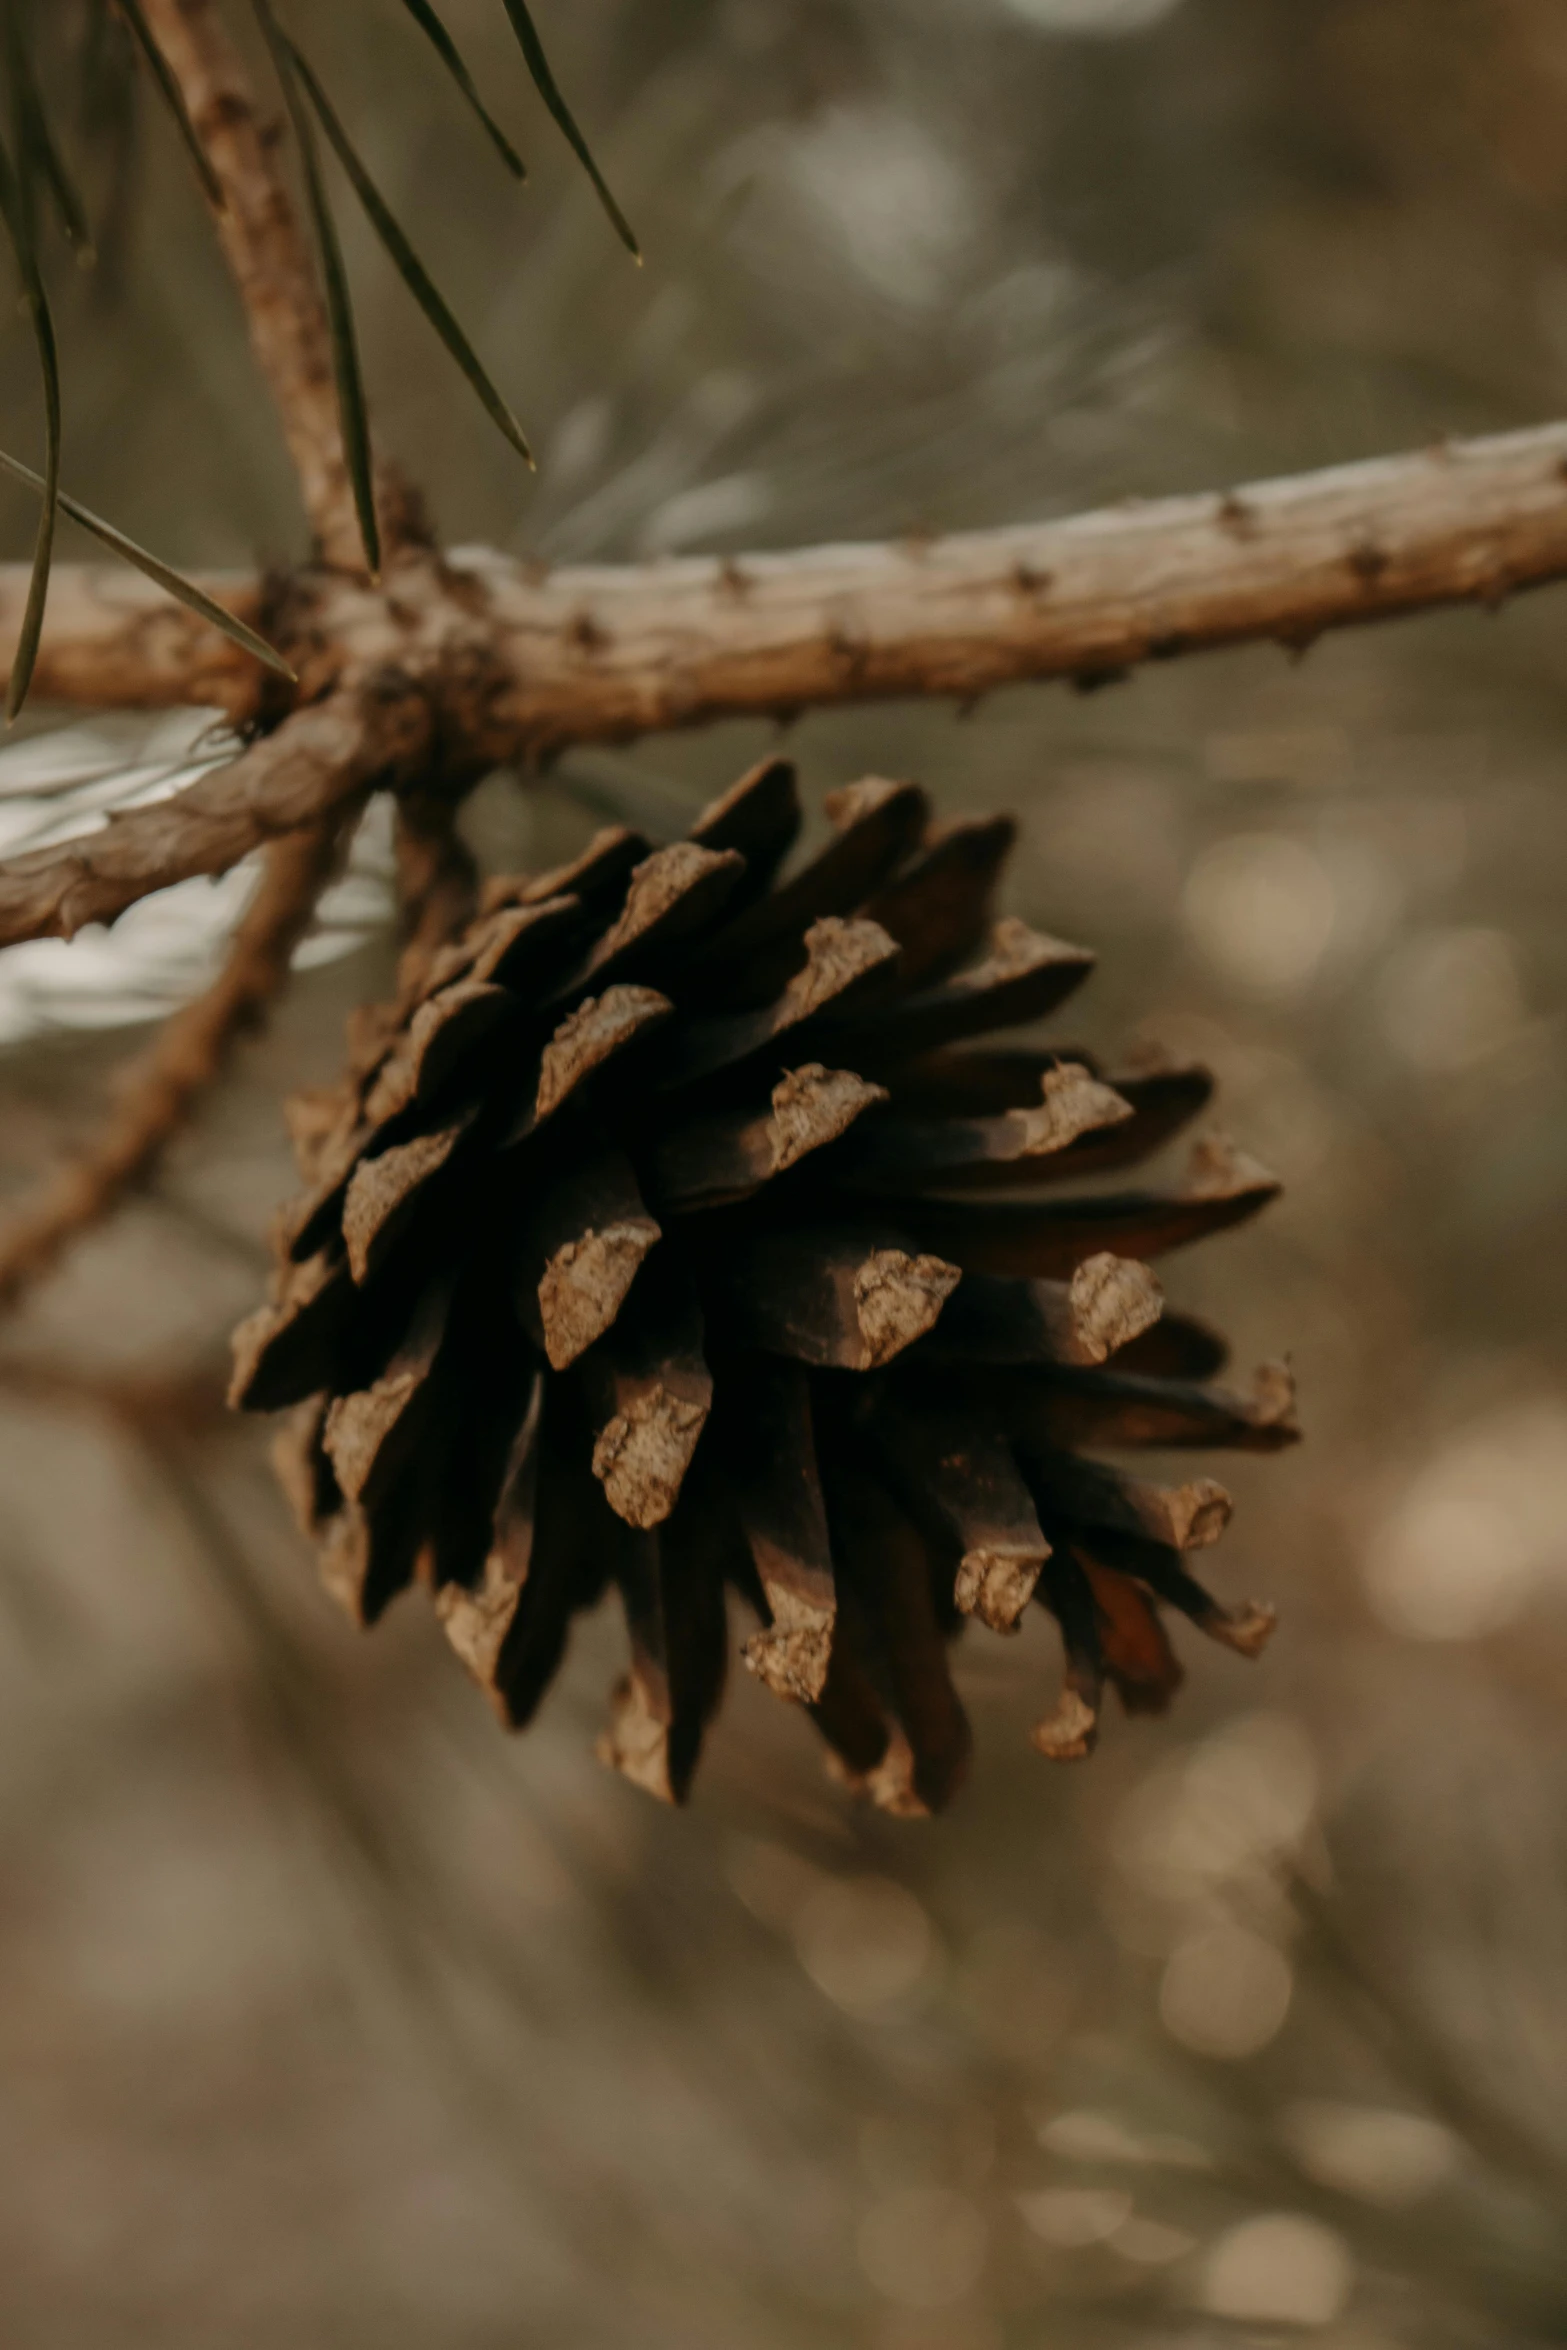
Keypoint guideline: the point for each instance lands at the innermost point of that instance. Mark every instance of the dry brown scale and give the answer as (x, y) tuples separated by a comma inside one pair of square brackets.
[(677, 1236)]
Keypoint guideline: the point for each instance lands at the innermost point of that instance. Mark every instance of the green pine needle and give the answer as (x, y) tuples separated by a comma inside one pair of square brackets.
[(446, 49), (352, 409), (544, 82), (38, 153), (175, 583), (17, 212), (173, 97), (411, 269)]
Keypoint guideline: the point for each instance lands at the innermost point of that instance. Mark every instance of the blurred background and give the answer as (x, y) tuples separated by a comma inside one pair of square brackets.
[(330, 2016)]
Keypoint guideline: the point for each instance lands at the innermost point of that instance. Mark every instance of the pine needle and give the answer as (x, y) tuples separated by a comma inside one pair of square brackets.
[(409, 267), (351, 404), (544, 82), (175, 583), (451, 57)]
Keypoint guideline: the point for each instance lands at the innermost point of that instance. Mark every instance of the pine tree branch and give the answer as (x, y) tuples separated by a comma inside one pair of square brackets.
[(274, 273), (268, 257), (598, 653), (188, 1055), (607, 654), (496, 662), (114, 641), (317, 761)]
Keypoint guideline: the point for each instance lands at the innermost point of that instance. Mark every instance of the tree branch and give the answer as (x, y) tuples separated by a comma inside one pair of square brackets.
[(318, 761), (491, 661), (268, 257), (598, 653), (604, 654), (185, 1059), (272, 267), (437, 880), (115, 641)]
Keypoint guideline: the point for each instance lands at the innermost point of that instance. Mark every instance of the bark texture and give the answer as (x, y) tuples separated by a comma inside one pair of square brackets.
[(268, 259), (311, 768), (593, 653)]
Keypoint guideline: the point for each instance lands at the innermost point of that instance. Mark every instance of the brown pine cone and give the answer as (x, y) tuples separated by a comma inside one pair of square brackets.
[(676, 1236)]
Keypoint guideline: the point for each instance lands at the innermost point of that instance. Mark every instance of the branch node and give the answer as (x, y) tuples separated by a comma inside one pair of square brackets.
[(1367, 560)]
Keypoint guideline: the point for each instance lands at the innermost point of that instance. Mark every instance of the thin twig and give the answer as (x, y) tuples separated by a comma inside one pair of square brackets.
[(161, 1089), (603, 654), (437, 879), (268, 257), (113, 641), (317, 761)]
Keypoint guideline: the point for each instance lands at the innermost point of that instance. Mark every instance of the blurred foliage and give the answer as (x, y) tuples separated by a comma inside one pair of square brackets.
[(330, 2014)]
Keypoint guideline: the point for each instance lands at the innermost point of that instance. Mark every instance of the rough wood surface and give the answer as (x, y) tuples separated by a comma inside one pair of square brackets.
[(1088, 597), (315, 765), (596, 653), (114, 641)]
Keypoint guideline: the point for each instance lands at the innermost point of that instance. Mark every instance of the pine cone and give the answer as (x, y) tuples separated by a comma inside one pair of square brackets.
[(674, 1235)]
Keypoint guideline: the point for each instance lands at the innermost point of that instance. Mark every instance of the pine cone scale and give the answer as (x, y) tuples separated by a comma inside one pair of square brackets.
[(874, 823), (939, 907)]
